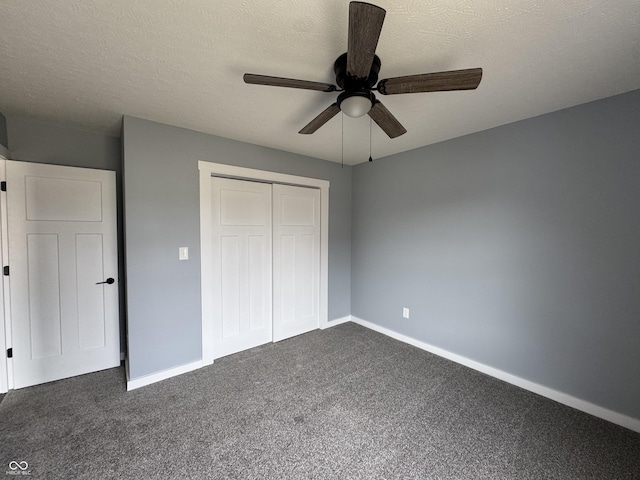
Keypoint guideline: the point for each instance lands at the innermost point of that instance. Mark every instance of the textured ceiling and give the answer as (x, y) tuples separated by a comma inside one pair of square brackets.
[(85, 63)]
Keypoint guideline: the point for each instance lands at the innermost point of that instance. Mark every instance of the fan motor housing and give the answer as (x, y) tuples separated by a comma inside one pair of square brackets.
[(349, 83)]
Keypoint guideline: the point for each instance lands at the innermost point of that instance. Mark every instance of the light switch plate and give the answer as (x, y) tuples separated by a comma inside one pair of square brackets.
[(183, 253), (405, 312)]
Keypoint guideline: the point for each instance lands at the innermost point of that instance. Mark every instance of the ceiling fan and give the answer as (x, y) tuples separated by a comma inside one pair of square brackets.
[(357, 73)]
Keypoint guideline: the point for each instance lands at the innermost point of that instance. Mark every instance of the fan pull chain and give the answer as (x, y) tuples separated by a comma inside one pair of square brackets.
[(370, 159)]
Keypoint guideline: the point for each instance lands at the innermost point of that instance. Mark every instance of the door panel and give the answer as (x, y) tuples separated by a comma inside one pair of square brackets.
[(296, 260), (45, 324), (241, 220), (259, 295), (56, 199), (62, 242), (230, 285)]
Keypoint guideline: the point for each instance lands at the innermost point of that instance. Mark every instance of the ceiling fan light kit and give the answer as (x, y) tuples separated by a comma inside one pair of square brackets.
[(357, 73), (356, 104)]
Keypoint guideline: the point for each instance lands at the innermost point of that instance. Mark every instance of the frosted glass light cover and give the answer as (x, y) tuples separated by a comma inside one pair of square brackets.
[(355, 106)]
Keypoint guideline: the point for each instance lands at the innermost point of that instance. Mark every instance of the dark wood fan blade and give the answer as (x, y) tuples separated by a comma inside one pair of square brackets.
[(321, 119), (365, 25), (432, 82), (287, 82), (386, 121)]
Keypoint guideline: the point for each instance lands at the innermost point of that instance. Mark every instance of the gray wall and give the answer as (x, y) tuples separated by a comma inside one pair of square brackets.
[(161, 194), (35, 141), (3, 132), (517, 247)]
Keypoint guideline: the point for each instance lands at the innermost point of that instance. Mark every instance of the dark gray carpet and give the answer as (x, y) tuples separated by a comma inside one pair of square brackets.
[(344, 403)]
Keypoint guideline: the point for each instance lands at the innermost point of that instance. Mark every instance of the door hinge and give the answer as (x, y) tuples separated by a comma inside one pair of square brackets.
[(5, 270), (3, 186), (9, 352)]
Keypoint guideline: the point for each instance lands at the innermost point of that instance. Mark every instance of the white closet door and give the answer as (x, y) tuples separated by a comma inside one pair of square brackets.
[(296, 260), (62, 248), (242, 287)]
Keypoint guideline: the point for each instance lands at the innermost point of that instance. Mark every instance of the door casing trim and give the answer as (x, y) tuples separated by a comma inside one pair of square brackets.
[(6, 367)]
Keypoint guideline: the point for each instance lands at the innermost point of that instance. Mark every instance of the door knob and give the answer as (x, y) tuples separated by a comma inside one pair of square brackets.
[(108, 280)]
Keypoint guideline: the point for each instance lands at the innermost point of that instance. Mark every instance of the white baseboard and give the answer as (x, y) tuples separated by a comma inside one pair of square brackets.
[(337, 321), (560, 397), (163, 375), (172, 372)]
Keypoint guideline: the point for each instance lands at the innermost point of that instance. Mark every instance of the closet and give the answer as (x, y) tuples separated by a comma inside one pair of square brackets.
[(261, 263)]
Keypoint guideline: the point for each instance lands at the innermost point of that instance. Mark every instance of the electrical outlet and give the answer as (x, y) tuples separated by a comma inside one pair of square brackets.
[(405, 312)]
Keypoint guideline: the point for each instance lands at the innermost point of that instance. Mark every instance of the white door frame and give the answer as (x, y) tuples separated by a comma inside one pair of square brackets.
[(6, 372), (209, 169)]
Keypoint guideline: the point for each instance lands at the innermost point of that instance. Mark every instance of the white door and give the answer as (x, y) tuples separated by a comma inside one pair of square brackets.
[(241, 221), (62, 249), (296, 260)]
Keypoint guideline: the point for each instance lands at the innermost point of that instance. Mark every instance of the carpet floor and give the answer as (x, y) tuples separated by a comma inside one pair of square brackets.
[(343, 403)]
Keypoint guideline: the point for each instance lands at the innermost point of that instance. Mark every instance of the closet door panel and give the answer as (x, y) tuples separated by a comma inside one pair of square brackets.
[(296, 260), (242, 284)]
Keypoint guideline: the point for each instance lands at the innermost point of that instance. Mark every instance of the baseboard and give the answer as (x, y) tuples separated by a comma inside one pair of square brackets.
[(337, 321), (560, 397), (172, 372), (163, 375)]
